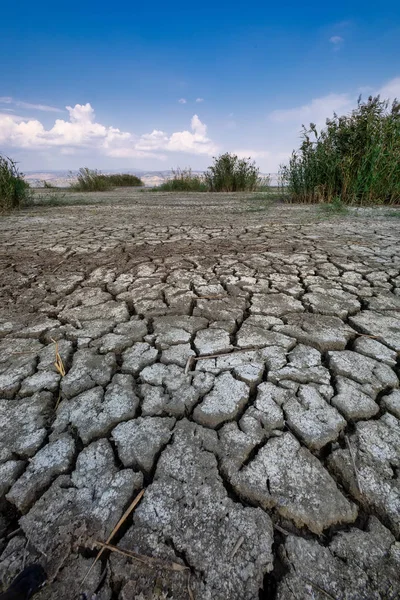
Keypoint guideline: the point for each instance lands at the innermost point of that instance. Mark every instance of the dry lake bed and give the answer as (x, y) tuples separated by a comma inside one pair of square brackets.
[(233, 357)]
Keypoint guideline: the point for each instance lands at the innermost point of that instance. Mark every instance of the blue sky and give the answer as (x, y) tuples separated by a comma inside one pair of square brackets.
[(165, 84)]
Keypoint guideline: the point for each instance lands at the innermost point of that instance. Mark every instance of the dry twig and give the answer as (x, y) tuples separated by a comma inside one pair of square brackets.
[(59, 365), (114, 531), (354, 463), (189, 589), (150, 561), (236, 547)]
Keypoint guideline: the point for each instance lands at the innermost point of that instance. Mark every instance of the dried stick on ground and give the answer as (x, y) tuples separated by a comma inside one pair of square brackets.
[(354, 463), (114, 531), (147, 560)]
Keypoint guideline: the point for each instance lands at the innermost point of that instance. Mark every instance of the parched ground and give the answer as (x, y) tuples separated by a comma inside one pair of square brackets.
[(238, 361)]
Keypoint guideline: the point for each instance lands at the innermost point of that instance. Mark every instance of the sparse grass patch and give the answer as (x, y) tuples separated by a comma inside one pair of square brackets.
[(91, 180), (14, 190), (393, 214), (336, 207), (183, 180)]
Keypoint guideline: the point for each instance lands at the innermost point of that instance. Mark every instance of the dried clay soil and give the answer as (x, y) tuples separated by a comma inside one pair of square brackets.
[(237, 362)]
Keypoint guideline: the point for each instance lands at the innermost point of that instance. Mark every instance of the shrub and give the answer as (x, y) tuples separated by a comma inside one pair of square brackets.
[(91, 180), (355, 158), (14, 190), (229, 173), (183, 180), (123, 180)]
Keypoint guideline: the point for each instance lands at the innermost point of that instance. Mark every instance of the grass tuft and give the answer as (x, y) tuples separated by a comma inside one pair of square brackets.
[(183, 180), (91, 180), (14, 190)]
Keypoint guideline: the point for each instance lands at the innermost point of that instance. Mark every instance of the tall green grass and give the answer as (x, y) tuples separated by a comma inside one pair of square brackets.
[(183, 180), (14, 190), (229, 173), (355, 158), (91, 180)]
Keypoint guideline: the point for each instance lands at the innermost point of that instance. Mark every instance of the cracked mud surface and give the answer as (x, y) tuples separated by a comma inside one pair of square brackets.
[(241, 367)]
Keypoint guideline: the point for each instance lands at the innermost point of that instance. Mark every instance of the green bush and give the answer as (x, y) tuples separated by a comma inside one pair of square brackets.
[(183, 180), (229, 173), (355, 158), (14, 190), (91, 180), (123, 180)]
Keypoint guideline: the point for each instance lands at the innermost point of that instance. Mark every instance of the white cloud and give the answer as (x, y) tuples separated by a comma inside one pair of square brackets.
[(319, 109), (391, 89), (253, 154), (199, 99), (42, 107), (316, 111), (82, 132), (336, 39), (21, 104), (182, 101)]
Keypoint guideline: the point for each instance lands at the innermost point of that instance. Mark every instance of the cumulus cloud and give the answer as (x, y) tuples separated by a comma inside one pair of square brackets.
[(82, 131), (199, 99), (336, 39), (182, 101)]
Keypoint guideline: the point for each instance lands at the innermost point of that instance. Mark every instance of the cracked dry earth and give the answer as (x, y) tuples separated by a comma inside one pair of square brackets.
[(241, 368)]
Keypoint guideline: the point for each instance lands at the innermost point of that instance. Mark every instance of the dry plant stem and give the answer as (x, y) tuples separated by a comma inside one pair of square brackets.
[(237, 546), (279, 528), (189, 589), (206, 356), (147, 560), (315, 586), (116, 528), (354, 463)]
